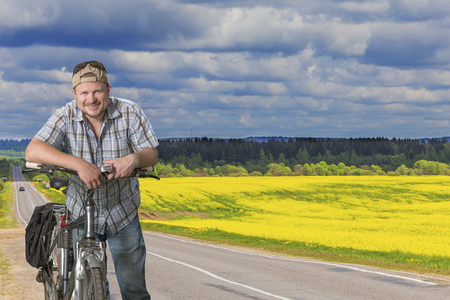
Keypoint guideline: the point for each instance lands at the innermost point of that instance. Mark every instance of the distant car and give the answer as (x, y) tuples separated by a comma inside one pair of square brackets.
[(21, 189)]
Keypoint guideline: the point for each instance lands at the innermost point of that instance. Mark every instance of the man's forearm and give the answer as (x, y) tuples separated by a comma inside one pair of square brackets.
[(146, 158), (40, 152)]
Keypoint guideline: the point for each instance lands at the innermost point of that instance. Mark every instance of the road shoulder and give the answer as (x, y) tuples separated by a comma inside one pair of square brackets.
[(17, 277)]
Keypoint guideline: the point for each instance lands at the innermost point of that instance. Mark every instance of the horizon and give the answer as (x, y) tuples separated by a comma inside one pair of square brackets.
[(272, 138)]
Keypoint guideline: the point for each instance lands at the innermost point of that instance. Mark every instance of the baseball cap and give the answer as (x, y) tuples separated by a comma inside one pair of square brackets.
[(89, 71)]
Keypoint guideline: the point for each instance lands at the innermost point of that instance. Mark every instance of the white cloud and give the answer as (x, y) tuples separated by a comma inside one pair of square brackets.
[(147, 62), (25, 14), (348, 39)]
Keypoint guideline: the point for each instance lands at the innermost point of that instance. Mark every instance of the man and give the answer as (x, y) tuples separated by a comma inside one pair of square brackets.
[(98, 129)]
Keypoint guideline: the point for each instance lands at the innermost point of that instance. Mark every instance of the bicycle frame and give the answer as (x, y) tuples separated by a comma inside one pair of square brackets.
[(88, 251)]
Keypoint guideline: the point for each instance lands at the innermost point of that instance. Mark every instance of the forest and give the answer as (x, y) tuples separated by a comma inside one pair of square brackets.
[(291, 156), (15, 145), (255, 155)]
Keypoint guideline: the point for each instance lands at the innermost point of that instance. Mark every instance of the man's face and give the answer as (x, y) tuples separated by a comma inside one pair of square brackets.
[(92, 99)]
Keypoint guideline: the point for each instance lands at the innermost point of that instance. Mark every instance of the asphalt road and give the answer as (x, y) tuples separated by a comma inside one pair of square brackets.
[(26, 200), (179, 268)]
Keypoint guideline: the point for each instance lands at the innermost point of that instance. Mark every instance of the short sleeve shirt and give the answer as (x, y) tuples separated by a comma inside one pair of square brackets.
[(125, 130)]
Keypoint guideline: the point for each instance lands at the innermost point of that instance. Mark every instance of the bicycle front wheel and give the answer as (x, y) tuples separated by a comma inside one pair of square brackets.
[(98, 284), (94, 285)]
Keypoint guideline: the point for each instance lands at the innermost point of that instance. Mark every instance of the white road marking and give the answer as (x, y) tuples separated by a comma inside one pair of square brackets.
[(302, 260), (218, 277), (30, 202), (17, 208)]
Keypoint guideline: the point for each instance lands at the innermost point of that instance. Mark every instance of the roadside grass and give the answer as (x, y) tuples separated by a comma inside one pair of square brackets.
[(7, 210), (394, 260), (51, 194), (5, 274)]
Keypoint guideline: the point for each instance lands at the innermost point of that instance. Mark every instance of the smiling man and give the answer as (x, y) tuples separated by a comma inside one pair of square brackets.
[(99, 129)]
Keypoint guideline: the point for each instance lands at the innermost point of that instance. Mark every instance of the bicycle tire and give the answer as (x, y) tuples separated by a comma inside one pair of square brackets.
[(98, 284), (50, 292), (94, 286), (49, 275), (53, 249)]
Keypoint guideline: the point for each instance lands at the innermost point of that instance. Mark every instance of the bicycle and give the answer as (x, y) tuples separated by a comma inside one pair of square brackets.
[(79, 275)]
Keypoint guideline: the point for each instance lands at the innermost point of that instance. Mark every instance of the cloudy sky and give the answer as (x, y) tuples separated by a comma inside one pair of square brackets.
[(225, 68)]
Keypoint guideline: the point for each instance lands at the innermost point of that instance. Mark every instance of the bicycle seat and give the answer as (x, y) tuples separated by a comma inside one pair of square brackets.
[(57, 183)]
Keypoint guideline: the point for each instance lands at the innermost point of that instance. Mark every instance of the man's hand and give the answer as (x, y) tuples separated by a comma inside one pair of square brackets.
[(90, 175), (122, 167)]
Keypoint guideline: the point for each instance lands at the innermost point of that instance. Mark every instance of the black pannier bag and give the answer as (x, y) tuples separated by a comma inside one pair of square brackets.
[(38, 235)]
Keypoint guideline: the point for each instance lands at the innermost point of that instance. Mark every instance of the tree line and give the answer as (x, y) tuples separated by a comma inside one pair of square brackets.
[(14, 145), (5, 169), (294, 156), (377, 155), (422, 167)]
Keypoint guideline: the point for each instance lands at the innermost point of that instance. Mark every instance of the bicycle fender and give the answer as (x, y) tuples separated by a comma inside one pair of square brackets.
[(93, 261), (90, 260)]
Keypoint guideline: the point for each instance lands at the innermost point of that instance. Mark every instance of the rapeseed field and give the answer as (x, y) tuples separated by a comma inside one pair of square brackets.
[(383, 214)]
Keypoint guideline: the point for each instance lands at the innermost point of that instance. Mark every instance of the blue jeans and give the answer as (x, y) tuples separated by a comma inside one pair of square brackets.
[(128, 253)]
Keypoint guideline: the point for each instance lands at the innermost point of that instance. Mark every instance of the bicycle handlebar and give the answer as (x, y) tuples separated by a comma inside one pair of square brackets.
[(105, 169), (44, 168)]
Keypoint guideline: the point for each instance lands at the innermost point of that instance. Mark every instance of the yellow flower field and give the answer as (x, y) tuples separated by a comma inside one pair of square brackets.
[(404, 213)]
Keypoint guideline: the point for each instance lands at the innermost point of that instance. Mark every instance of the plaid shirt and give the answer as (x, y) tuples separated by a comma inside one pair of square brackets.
[(125, 130)]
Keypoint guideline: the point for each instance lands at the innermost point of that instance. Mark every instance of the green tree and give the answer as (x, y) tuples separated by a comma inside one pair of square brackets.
[(322, 168), (282, 159), (333, 169), (298, 170), (263, 157), (303, 156), (278, 170), (403, 170)]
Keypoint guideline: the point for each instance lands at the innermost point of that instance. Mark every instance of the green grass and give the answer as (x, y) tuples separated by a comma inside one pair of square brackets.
[(7, 220), (5, 274), (7, 210), (51, 194)]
